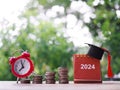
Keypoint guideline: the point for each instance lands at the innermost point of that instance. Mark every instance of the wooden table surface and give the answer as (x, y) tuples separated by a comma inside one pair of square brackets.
[(106, 85)]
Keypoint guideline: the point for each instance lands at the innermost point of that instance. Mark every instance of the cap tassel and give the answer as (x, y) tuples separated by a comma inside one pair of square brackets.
[(110, 73)]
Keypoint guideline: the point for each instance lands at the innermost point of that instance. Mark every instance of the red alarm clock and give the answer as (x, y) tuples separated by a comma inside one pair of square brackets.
[(21, 66)]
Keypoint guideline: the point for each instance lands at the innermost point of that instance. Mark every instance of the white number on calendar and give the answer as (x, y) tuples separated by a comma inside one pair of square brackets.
[(87, 66)]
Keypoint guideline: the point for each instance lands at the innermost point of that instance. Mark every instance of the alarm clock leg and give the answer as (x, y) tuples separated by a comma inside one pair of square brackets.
[(18, 80)]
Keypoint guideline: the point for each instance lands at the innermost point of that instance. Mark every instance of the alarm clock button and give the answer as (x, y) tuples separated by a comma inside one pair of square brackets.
[(11, 60), (25, 54)]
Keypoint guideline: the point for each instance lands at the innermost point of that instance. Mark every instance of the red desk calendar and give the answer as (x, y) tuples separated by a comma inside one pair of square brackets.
[(86, 69), (87, 66)]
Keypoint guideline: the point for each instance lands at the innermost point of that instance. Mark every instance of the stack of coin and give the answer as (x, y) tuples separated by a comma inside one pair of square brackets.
[(25, 81), (50, 77), (63, 75), (37, 79)]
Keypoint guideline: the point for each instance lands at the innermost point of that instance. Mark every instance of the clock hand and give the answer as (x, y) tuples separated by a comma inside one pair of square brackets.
[(22, 64), (20, 68)]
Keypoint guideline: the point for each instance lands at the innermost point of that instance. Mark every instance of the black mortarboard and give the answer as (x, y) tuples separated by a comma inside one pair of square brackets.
[(95, 51)]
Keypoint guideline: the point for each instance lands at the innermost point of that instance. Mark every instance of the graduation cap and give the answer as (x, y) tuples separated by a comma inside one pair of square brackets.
[(97, 52)]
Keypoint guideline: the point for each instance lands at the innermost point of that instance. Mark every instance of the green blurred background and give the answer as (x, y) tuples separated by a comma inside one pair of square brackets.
[(43, 32)]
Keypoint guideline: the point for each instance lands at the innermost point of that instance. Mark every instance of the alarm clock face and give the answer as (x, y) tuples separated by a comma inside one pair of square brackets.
[(22, 66)]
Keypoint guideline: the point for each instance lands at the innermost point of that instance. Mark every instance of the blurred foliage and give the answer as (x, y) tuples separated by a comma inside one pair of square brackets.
[(49, 3), (48, 46), (108, 24), (104, 27)]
